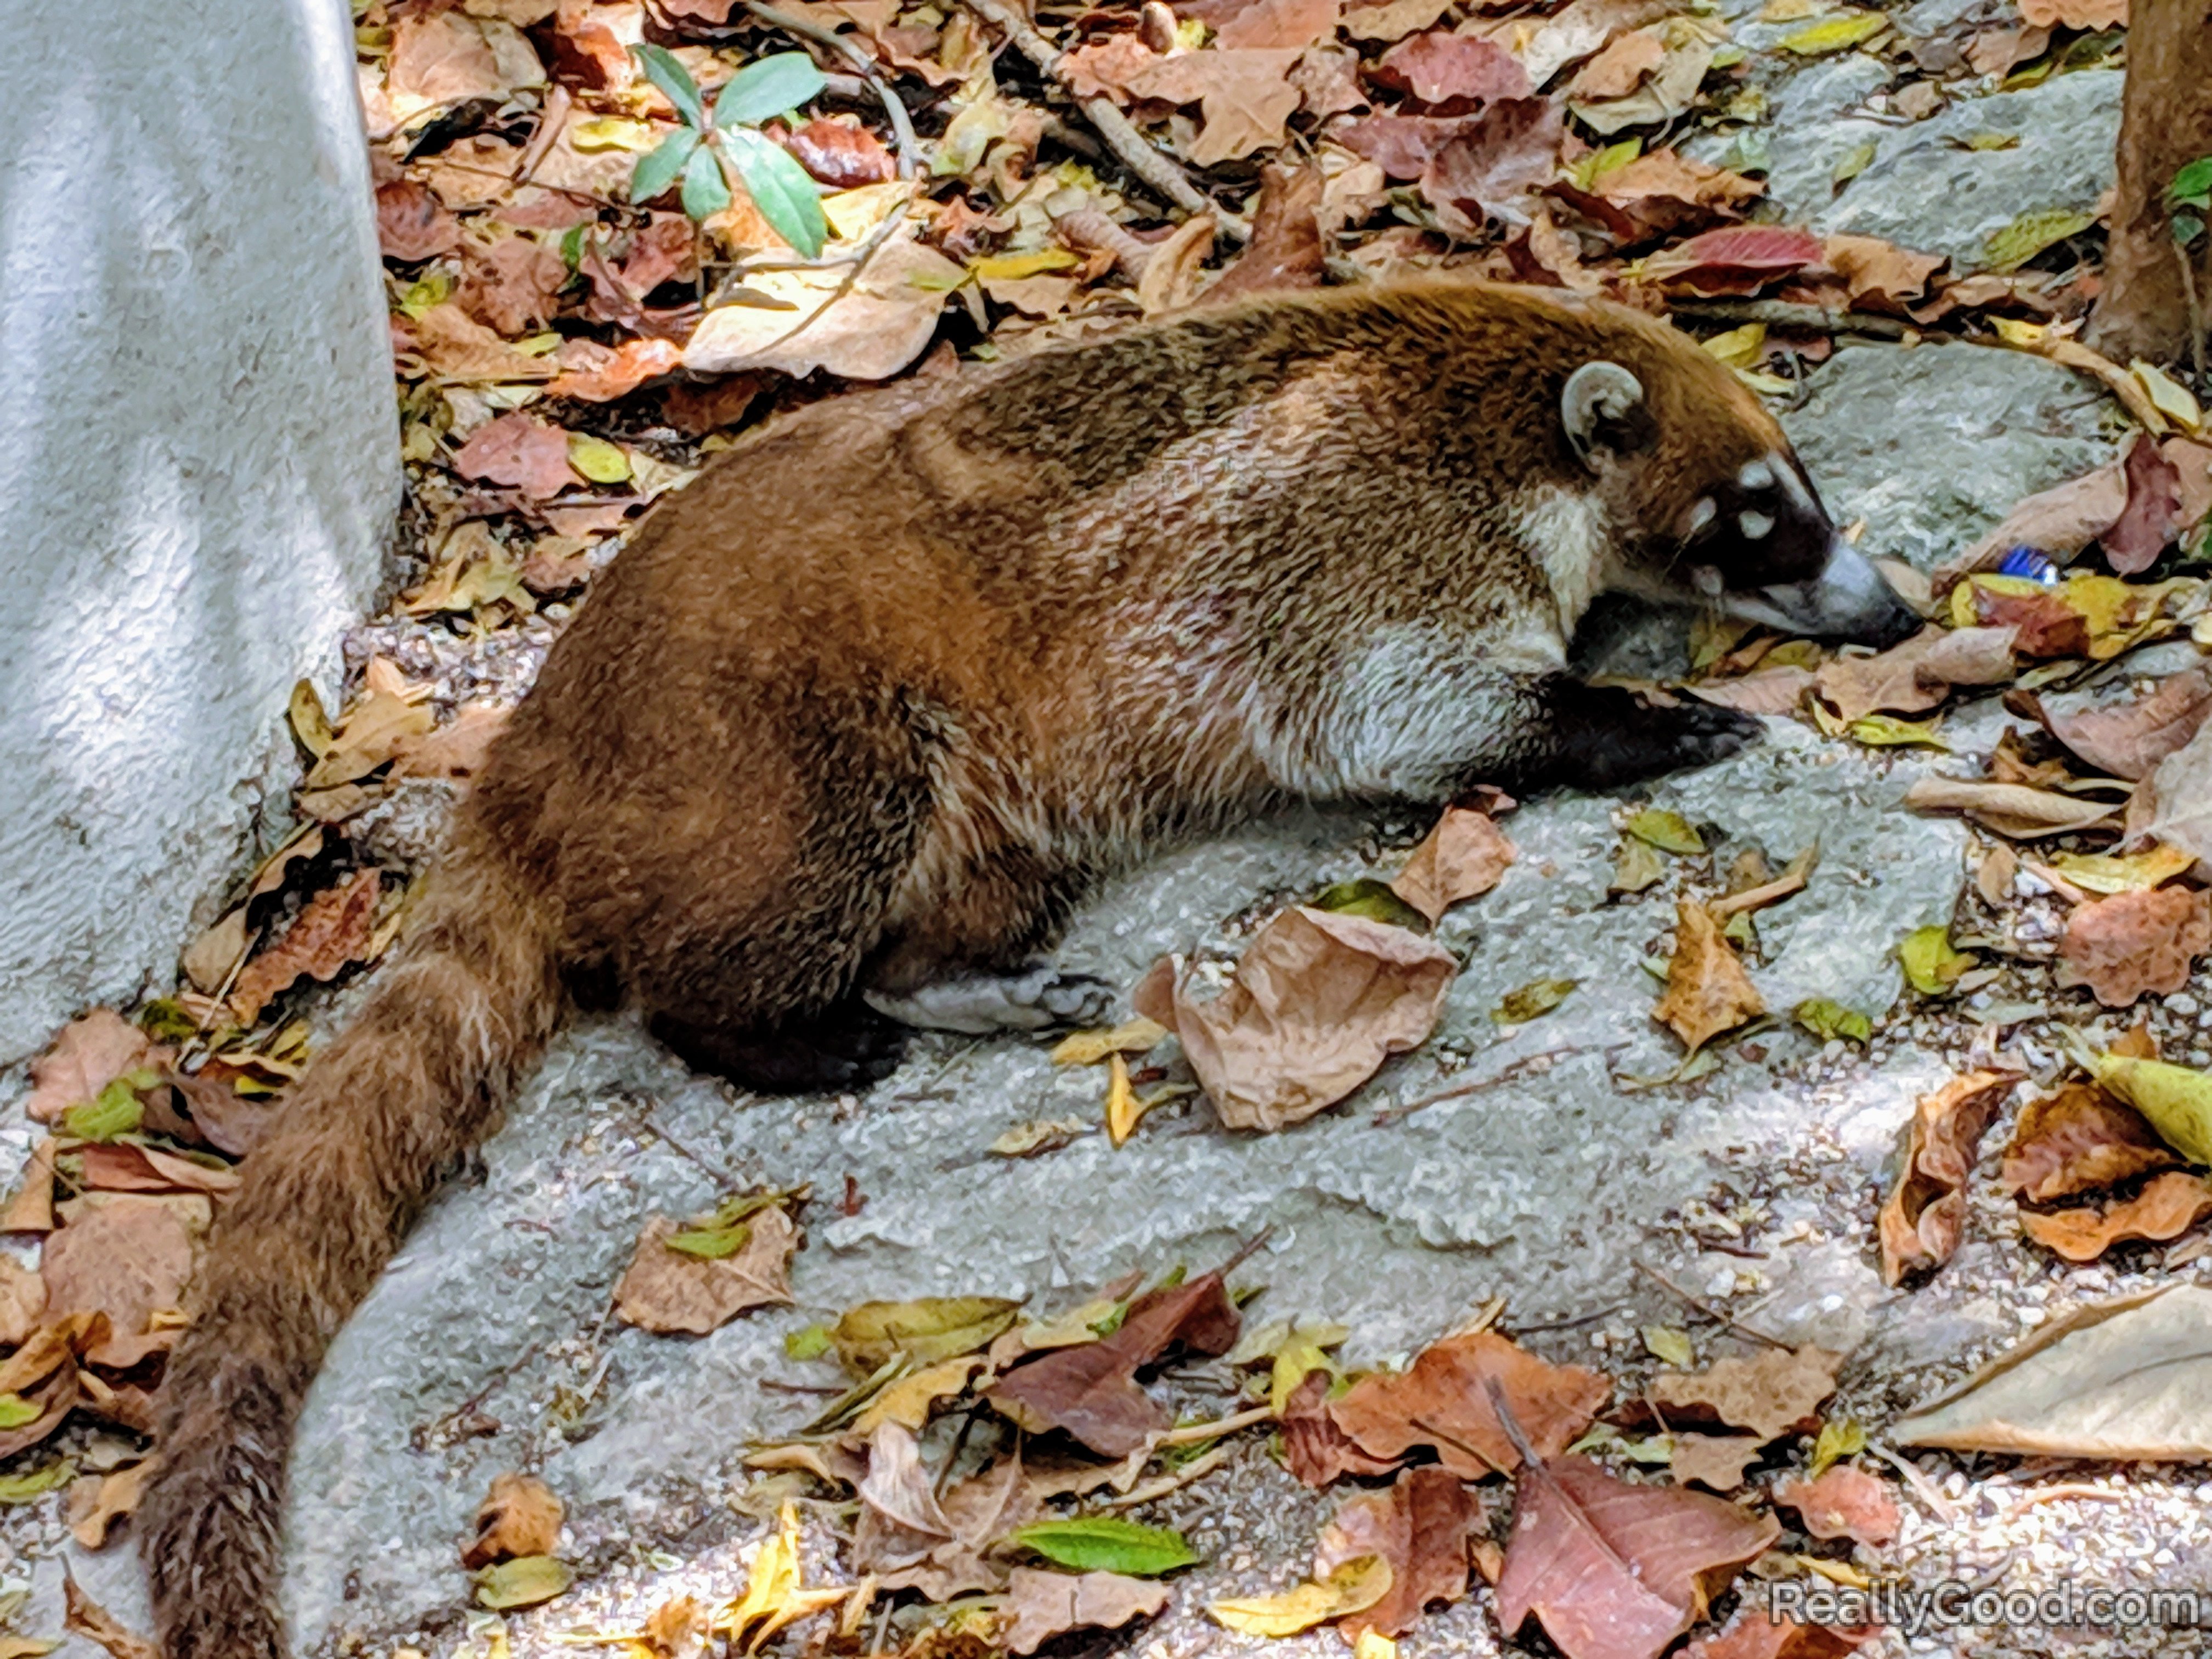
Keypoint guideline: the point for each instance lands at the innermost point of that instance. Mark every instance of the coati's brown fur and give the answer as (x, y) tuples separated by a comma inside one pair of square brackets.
[(868, 705)]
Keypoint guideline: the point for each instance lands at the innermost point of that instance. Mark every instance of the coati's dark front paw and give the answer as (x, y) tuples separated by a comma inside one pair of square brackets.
[(1609, 737), (850, 1047)]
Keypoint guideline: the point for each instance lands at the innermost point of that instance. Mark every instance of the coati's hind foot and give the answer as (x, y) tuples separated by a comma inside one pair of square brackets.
[(1036, 998), (848, 1047), (1605, 736)]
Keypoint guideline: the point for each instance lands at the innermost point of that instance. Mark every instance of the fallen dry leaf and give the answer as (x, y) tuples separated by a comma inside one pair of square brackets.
[(2129, 739), (2078, 1139), (1492, 166), (82, 1616), (1763, 691), (1243, 95), (1918, 674), (1392, 22), (1843, 1502), (98, 1502), (521, 1517), (1421, 1525), (1442, 1401), (1317, 1003), (1618, 1571), (2061, 521), (1315, 1450), (1753, 1635), (1091, 1389), (873, 329), (1879, 274), (335, 930), (31, 1208), (444, 58), (519, 450), (1040, 1606), (2116, 1381), (1286, 250), (1463, 857), (2146, 525), (667, 1291), (901, 1519), (2017, 810), (2168, 1206), (412, 224), (2075, 14), (1736, 258), (1777, 1391), (89, 1053), (1707, 990), (1616, 71), (1447, 74), (127, 1256), (1279, 23), (2132, 944), (121, 1167), (1924, 1216), (1716, 1460)]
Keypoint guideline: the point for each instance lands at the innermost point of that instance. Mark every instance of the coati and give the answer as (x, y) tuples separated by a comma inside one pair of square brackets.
[(858, 715)]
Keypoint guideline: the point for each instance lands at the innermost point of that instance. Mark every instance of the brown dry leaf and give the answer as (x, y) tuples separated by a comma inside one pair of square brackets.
[(1918, 674), (2075, 14), (1040, 1606), (1614, 1570), (1285, 249), (82, 1616), (90, 1052), (519, 450), (2061, 521), (1777, 1391), (597, 374), (1244, 96), (1546, 46), (521, 1517), (2132, 944), (97, 1502), (2078, 1139), (128, 1256), (1843, 1502), (2012, 808), (31, 1208), (2129, 740), (867, 330), (1463, 857), (1091, 1389), (1924, 1216), (1421, 1525), (841, 154), (1616, 71), (665, 1290), (1763, 691), (1275, 23), (120, 1167), (1441, 1401), (1446, 74), (444, 58), (335, 929), (901, 1521), (909, 1401), (1318, 1002), (2168, 1206), (1664, 191), (1716, 1460), (1707, 990), (2146, 525), (1392, 22), (22, 1300), (1176, 268), (511, 285), (1753, 1635), (412, 224), (1315, 1450), (983, 1510), (1492, 167), (1880, 272)]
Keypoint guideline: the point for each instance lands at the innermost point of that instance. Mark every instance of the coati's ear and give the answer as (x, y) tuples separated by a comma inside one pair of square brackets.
[(1597, 407)]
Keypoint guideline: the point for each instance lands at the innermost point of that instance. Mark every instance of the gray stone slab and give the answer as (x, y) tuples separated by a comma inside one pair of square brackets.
[(1396, 1227), (1934, 444)]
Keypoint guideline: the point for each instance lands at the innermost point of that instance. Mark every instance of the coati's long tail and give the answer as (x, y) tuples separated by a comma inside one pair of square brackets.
[(422, 1075)]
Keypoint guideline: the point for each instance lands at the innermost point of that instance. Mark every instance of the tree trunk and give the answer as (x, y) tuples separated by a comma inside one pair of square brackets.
[(2165, 122)]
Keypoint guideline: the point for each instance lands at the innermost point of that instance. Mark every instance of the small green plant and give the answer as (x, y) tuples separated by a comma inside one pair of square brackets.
[(713, 141), (2189, 200)]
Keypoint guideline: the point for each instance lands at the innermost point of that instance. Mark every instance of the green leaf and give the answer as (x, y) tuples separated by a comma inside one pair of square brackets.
[(602, 463), (1668, 831), (165, 1020), (1525, 1004), (1640, 867), (665, 71), (15, 1410), (1829, 1020), (1374, 900), (1888, 732), (522, 1583), (2192, 185), (118, 1111), (1101, 1543), (657, 171), (1667, 1343), (2177, 1101), (1857, 159), (1842, 1437), (767, 87), (1930, 963), (2187, 228), (1836, 34), (780, 190), (2029, 234), (933, 1329), (710, 1243), (22, 1488), (705, 191), (808, 1342)]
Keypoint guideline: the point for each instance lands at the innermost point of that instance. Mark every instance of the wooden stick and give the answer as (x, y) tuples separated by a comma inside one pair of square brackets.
[(1128, 145), (1784, 313)]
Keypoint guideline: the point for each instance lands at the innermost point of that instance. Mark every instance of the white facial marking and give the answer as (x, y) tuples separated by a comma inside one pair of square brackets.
[(1566, 530), (1756, 475), (1702, 514), (1754, 524)]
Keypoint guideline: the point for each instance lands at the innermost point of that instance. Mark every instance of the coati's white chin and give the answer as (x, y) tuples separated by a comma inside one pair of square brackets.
[(1848, 600)]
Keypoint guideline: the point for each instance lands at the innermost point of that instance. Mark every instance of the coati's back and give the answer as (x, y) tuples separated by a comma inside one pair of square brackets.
[(871, 701)]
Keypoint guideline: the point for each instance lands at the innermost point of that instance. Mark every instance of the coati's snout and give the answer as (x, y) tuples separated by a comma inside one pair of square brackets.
[(1753, 538)]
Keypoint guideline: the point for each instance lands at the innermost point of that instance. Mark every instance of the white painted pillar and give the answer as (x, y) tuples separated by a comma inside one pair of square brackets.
[(198, 460)]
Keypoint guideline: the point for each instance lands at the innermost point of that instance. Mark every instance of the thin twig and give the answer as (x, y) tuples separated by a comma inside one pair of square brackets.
[(910, 148), (1193, 1432), (653, 1126), (1784, 313), (1513, 1073), (1915, 1478), (1196, 1470), (1128, 145), (1707, 1309)]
